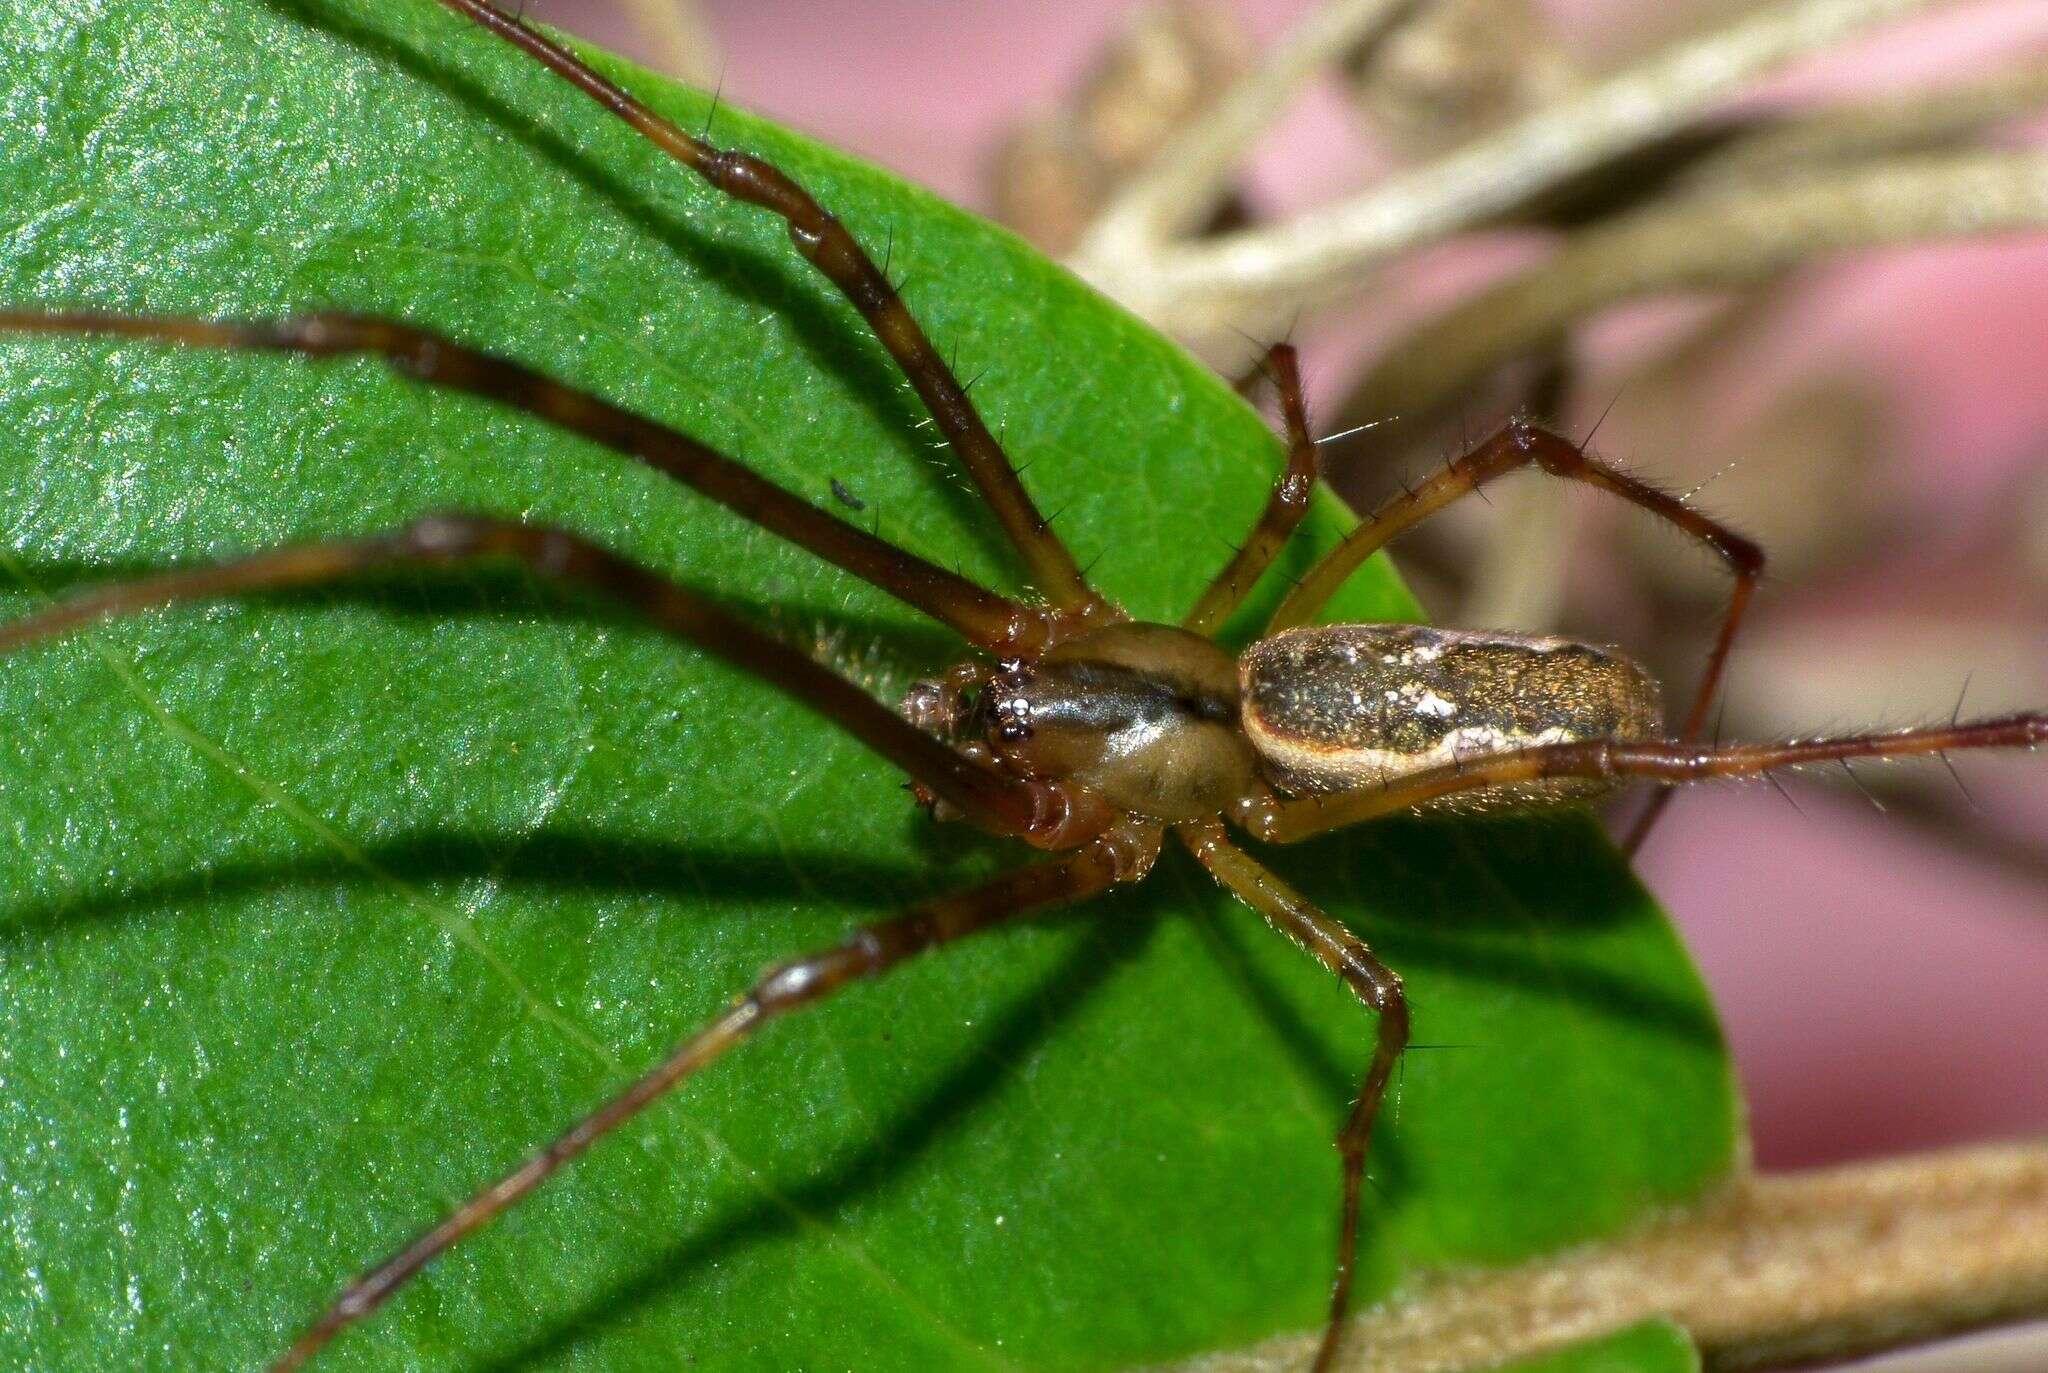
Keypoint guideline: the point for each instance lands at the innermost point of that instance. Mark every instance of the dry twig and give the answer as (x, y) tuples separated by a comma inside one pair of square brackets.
[(1920, 122), (1205, 288), (1457, 69), (1188, 175), (1737, 237), (1053, 174), (1777, 1269)]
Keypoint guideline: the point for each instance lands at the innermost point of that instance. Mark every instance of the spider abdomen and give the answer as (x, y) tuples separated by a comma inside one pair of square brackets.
[(1344, 707)]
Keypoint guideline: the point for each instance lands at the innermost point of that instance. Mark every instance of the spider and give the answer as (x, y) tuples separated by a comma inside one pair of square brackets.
[(1070, 727)]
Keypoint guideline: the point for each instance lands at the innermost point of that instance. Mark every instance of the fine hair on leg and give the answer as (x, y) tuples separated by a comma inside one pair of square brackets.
[(1374, 984), (1520, 444), (982, 617), (1284, 508), (1122, 855), (1670, 762), (826, 244), (1047, 814)]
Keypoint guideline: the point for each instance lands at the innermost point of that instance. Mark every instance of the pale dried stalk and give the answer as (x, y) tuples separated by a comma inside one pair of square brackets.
[(1924, 121), (1186, 179), (1730, 238), (1204, 288), (1521, 574), (1052, 175), (1458, 69), (1799, 1266)]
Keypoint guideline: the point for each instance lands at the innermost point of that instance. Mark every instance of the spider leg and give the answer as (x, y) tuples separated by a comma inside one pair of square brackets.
[(995, 623), (1046, 814), (1122, 855), (1515, 445), (1667, 762), (827, 244), (1284, 509), (1374, 983)]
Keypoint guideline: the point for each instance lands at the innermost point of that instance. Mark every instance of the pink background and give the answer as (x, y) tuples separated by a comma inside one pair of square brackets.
[(1881, 992)]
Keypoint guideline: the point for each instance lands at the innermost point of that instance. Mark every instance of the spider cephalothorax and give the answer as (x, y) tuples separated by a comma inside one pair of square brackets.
[(1142, 716)]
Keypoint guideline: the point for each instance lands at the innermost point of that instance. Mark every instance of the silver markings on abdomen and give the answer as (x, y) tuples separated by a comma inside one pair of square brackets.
[(1341, 707)]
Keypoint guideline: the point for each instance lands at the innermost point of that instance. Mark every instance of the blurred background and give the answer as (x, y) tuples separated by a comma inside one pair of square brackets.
[(1869, 402)]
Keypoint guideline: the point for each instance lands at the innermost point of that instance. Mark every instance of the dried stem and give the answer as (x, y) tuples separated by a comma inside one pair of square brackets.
[(1184, 181), (1520, 575), (1921, 122), (1196, 289), (1776, 1269), (1053, 174), (1728, 238), (1458, 69)]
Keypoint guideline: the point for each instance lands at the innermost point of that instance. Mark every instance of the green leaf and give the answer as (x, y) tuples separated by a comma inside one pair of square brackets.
[(317, 913), (1651, 1347)]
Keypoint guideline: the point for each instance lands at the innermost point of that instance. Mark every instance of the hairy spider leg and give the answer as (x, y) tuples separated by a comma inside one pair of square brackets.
[(1046, 814), (1284, 508), (1122, 855), (994, 623), (1669, 762), (1517, 444), (1372, 981), (827, 245)]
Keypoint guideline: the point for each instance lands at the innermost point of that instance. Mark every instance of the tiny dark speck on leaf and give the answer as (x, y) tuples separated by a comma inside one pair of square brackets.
[(846, 497)]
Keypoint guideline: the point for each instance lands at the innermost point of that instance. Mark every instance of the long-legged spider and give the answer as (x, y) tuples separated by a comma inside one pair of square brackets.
[(1076, 639)]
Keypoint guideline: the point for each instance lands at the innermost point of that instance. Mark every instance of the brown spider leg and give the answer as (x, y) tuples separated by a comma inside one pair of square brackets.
[(1746, 578), (1667, 761), (995, 623), (825, 242), (1374, 983), (1122, 855), (1046, 814), (1517, 444), (1284, 509)]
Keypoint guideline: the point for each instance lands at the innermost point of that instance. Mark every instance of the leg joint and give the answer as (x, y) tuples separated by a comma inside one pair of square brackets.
[(1551, 451), (1064, 816), (792, 984), (1377, 985)]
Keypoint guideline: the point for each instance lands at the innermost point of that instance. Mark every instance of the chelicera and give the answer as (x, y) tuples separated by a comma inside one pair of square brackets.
[(1069, 726)]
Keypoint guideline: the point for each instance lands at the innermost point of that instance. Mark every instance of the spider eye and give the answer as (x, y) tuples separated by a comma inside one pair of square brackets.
[(1013, 719)]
